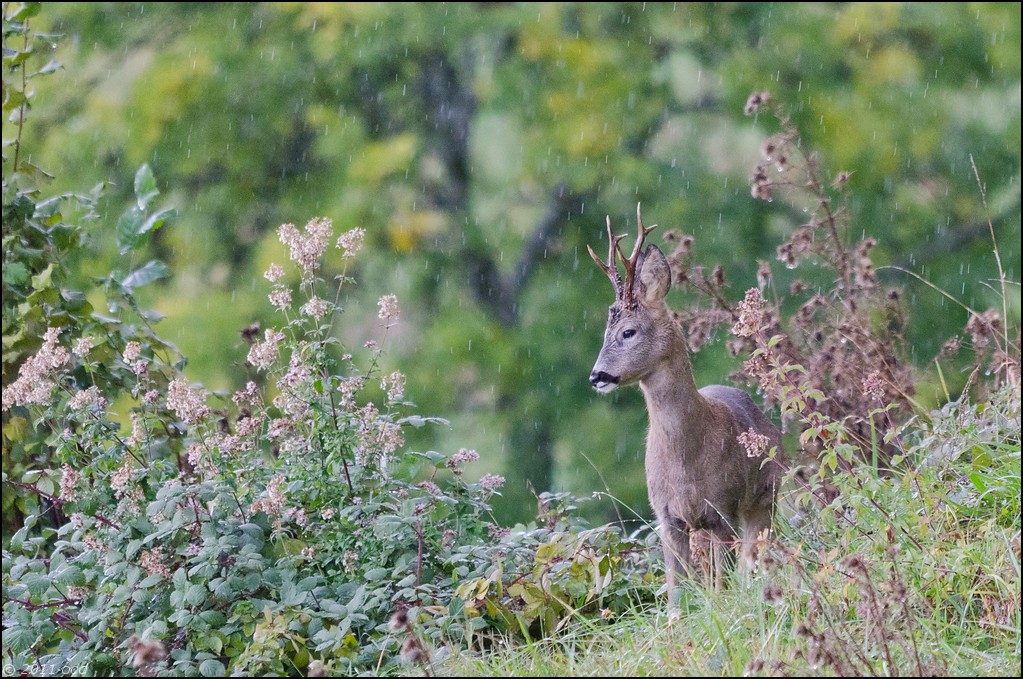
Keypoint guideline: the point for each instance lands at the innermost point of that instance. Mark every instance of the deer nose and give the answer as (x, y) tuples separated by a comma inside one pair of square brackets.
[(601, 377)]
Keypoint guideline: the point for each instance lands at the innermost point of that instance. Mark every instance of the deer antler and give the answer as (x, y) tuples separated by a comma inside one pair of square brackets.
[(631, 261), (611, 269)]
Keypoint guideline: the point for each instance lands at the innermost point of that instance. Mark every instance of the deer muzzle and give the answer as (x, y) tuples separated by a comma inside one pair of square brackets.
[(603, 382)]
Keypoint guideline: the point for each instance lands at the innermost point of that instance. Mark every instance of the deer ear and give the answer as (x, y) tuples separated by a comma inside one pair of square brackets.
[(654, 275)]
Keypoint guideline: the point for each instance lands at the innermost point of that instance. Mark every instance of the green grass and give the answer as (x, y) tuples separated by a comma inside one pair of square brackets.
[(917, 573)]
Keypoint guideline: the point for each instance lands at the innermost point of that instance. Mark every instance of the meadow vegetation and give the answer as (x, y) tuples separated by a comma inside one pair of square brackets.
[(286, 527)]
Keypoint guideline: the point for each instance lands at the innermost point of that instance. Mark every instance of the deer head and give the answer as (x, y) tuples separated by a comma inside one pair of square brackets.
[(640, 331)]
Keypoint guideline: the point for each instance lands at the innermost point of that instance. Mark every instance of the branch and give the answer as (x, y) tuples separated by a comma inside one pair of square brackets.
[(499, 294)]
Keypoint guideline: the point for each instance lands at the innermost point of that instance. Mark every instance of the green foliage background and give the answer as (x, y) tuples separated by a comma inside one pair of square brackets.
[(481, 145)]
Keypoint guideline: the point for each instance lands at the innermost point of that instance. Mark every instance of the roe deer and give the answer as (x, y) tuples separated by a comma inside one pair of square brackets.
[(702, 480)]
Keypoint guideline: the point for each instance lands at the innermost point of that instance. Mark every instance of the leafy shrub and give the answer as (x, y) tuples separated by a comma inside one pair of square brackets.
[(277, 528)]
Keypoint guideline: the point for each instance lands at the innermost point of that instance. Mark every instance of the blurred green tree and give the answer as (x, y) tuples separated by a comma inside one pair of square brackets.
[(481, 145)]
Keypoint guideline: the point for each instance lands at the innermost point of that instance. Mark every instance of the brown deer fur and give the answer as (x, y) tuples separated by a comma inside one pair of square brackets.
[(700, 478)]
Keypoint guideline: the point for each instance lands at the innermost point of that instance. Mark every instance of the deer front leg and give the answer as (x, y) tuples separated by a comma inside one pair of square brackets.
[(678, 558)]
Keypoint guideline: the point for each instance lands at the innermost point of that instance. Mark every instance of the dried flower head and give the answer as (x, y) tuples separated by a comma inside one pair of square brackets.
[(751, 314), (755, 101), (152, 562), (755, 443), (873, 386)]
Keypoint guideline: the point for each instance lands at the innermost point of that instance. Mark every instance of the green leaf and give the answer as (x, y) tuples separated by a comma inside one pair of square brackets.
[(195, 595), (18, 638), (71, 575), (157, 219), (151, 581), (128, 237), (37, 584), (145, 186), (152, 270), (44, 278), (375, 574), (213, 618), (51, 66), (15, 274), (212, 668)]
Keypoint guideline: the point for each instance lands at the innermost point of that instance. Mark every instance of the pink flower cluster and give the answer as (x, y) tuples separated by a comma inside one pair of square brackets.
[(36, 378)]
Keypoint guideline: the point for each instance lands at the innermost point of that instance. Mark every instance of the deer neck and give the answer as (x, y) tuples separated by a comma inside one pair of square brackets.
[(678, 413)]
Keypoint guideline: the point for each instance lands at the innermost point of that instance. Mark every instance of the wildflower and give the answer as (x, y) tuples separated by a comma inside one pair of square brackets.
[(430, 487), (388, 308), (76, 593), (351, 241), (348, 387), (120, 479), (280, 298), (70, 479), (274, 273), (315, 307), (751, 314), (394, 384), (327, 514), (754, 442), (187, 404), (873, 386), (272, 504), (138, 430), (35, 380), (497, 533), (87, 399), (247, 396), (200, 461), (279, 428), (263, 354), (248, 426), (298, 372), (132, 350), (152, 561), (349, 561), (492, 481), (306, 250), (82, 346), (464, 455)]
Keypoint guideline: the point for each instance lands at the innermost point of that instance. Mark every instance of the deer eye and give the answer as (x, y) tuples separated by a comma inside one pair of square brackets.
[(626, 334)]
